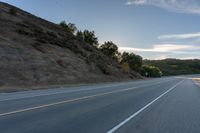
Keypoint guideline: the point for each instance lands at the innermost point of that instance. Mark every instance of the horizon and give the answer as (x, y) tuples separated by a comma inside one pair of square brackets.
[(151, 28)]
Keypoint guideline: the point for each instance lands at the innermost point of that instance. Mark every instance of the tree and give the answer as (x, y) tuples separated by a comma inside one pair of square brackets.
[(134, 61), (72, 28), (80, 35), (176, 66), (109, 48), (88, 36), (68, 27), (151, 71)]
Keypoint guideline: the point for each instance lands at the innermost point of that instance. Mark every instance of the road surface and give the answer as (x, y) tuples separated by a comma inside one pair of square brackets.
[(165, 105)]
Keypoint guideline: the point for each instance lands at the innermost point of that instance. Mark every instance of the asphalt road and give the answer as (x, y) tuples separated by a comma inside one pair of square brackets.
[(164, 105)]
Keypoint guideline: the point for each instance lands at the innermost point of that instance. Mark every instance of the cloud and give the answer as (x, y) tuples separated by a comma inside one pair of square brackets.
[(181, 6), (180, 36), (137, 2), (162, 51), (160, 48)]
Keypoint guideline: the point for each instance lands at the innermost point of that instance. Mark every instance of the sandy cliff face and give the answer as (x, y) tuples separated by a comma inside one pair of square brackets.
[(35, 52)]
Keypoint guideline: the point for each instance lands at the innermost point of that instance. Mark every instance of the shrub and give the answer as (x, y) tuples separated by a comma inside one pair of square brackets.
[(80, 35), (151, 71), (13, 11), (105, 69), (134, 61), (109, 48), (68, 27), (88, 36), (125, 67)]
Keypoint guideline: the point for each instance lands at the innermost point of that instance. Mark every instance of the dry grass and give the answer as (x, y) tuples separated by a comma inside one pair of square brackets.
[(34, 52), (197, 79)]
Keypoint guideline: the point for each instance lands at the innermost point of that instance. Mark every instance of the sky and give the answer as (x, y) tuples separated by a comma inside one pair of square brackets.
[(154, 29)]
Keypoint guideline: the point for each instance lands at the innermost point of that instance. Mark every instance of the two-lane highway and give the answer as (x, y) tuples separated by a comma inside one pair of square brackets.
[(167, 105)]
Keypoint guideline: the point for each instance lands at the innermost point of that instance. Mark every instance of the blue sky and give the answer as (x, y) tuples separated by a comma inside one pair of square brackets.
[(155, 29)]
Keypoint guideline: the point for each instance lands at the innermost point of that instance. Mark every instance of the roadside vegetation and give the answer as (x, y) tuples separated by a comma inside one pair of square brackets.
[(69, 27), (197, 80), (13, 11), (128, 61), (151, 71), (175, 66), (88, 36)]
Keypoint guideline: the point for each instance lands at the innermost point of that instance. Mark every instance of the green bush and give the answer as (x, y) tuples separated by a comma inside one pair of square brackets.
[(88, 36), (109, 48), (134, 61), (68, 27), (13, 11), (176, 66), (80, 35), (125, 67), (151, 71)]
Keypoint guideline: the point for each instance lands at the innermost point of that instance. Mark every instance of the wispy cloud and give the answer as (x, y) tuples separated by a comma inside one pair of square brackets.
[(160, 48), (162, 51), (181, 6), (180, 36), (137, 2)]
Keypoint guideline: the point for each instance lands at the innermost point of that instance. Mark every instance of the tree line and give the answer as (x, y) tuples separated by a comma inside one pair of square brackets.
[(128, 61), (176, 66)]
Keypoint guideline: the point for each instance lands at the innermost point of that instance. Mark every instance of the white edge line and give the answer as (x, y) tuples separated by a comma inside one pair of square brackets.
[(72, 100), (139, 111)]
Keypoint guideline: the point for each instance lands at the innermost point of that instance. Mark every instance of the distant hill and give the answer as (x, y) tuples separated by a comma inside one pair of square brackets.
[(35, 52), (175, 66)]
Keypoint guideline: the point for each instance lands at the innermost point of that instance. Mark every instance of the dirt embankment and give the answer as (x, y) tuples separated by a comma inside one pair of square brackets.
[(35, 53)]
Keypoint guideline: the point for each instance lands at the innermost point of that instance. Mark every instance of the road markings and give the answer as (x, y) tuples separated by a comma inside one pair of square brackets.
[(72, 100), (54, 93), (67, 101), (142, 109), (63, 92)]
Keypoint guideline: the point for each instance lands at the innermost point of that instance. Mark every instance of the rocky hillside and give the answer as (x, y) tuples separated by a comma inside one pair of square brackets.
[(35, 52)]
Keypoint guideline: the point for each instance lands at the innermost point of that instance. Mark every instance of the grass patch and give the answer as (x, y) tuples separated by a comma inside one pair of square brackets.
[(197, 79)]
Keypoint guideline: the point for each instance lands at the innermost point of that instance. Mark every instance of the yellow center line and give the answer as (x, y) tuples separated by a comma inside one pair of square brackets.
[(73, 100)]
